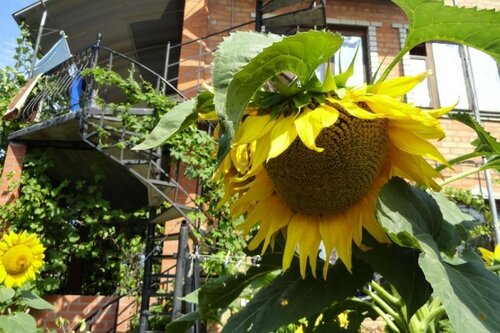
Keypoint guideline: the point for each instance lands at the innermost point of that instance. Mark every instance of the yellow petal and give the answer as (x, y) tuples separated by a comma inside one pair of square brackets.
[(329, 239), (487, 255), (398, 86), (414, 144), (344, 229), (413, 167), (310, 123), (358, 112), (240, 158), (441, 112), (253, 128), (282, 136), (279, 217), (296, 228), (496, 255), (308, 241)]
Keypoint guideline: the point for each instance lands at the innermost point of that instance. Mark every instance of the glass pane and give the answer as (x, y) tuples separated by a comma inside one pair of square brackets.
[(449, 75), (420, 94), (486, 80), (342, 59)]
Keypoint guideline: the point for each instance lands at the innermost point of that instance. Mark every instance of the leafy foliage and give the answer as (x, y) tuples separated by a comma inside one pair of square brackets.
[(80, 230), (469, 292)]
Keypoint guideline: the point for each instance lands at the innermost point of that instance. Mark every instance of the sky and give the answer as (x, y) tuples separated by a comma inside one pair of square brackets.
[(9, 30)]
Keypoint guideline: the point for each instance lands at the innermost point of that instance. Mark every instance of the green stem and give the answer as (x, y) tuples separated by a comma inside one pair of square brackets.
[(387, 320), (436, 313), (385, 294), (493, 268), (393, 63), (387, 308), (459, 159), (415, 325), (461, 175), (435, 303)]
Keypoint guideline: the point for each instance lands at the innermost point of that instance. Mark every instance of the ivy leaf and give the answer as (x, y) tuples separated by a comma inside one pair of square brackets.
[(290, 297), (178, 118), (432, 20), (469, 292), (300, 54)]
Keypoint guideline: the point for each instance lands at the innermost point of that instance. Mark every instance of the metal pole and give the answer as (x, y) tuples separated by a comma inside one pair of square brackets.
[(165, 69), (470, 84), (38, 39), (258, 16), (179, 271)]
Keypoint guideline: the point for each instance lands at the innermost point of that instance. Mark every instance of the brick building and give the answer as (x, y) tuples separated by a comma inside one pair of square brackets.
[(150, 32)]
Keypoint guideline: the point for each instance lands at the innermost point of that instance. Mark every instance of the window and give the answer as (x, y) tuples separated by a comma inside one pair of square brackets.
[(448, 84), (354, 40)]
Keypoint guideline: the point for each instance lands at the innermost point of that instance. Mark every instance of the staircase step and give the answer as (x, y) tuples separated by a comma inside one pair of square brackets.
[(164, 238), (163, 295), (162, 183), (162, 275), (134, 162), (170, 214), (164, 256)]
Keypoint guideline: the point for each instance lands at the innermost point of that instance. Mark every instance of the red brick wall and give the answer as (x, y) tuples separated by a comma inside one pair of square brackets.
[(76, 307), (11, 173)]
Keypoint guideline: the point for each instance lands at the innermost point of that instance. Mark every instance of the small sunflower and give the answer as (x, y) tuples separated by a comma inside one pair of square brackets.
[(490, 257), (21, 257), (315, 174)]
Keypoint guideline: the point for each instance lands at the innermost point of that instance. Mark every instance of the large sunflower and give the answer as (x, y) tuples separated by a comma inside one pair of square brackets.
[(315, 174), (21, 257)]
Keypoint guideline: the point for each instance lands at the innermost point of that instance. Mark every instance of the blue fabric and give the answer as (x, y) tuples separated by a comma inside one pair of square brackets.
[(57, 54), (75, 90)]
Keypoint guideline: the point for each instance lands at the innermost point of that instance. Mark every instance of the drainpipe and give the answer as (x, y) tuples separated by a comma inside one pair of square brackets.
[(38, 38), (470, 83)]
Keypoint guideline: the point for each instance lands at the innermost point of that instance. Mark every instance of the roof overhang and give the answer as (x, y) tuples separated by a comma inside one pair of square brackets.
[(140, 29)]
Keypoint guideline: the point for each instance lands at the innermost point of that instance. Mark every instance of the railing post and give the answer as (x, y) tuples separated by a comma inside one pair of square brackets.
[(180, 270), (93, 64), (146, 281), (165, 70)]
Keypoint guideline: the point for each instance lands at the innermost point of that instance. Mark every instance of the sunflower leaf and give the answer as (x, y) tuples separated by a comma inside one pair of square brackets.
[(290, 297), (34, 301), (183, 323), (220, 292), (232, 55), (300, 54), (18, 322), (6, 294), (432, 20), (399, 266), (485, 144), (469, 292), (179, 117)]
